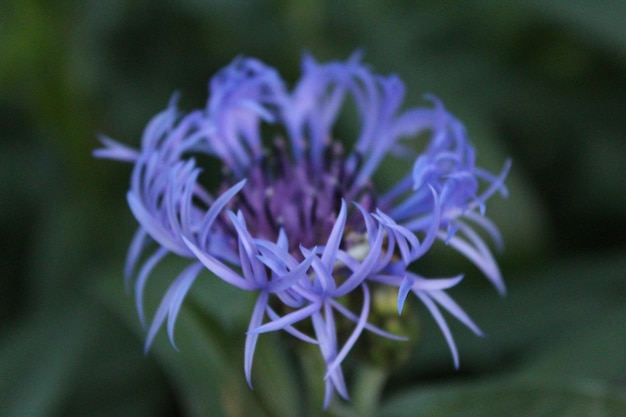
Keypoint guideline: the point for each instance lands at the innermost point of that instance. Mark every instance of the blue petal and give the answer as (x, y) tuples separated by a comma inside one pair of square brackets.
[(453, 308), (215, 209), (355, 333), (290, 329), (186, 279), (219, 269), (142, 278), (154, 227), (134, 251), (287, 319), (285, 281), (335, 238), (115, 150), (171, 303), (403, 291), (251, 338), (441, 322), (357, 277)]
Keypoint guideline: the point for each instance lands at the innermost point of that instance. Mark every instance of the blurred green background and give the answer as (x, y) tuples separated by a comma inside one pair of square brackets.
[(543, 82)]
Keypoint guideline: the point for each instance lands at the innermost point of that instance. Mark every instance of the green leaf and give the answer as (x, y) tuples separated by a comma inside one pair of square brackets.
[(115, 377), (228, 305), (196, 373), (75, 360), (570, 311), (37, 362), (207, 372), (551, 304), (510, 398), (595, 349), (601, 20), (275, 379)]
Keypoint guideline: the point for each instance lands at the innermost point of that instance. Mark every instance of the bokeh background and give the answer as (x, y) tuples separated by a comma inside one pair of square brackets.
[(543, 82)]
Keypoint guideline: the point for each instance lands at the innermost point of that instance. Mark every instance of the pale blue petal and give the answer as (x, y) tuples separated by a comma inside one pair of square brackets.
[(185, 281), (219, 269), (171, 303), (287, 319), (290, 329), (453, 308), (403, 291), (355, 333), (134, 251), (285, 281), (115, 150), (434, 284), (140, 283), (216, 208), (335, 238), (155, 228), (441, 322), (357, 277), (251, 338)]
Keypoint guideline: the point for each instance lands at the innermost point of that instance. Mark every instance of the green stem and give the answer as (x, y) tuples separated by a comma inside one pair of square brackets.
[(367, 391), (369, 383)]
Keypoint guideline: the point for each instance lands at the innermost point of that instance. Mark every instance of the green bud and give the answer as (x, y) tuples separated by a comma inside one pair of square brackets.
[(380, 351)]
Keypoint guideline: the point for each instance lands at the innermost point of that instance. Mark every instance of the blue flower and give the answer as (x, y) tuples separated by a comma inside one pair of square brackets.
[(297, 219)]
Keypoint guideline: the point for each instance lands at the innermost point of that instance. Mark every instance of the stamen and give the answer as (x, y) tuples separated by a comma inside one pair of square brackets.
[(282, 193)]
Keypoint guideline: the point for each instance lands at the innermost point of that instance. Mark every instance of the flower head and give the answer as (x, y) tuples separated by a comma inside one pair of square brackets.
[(297, 218)]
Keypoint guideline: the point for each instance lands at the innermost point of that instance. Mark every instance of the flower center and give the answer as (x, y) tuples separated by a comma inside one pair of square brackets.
[(300, 198)]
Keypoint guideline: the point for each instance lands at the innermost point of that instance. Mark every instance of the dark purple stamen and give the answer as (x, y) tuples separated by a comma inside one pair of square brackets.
[(282, 193)]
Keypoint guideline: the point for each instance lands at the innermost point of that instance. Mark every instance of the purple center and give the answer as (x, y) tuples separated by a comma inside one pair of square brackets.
[(299, 197)]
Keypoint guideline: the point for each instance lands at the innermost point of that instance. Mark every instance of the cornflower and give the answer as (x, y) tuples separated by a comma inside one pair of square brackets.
[(297, 219)]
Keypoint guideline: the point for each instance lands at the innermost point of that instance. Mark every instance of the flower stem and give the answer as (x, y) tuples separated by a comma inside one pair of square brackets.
[(368, 387), (367, 390)]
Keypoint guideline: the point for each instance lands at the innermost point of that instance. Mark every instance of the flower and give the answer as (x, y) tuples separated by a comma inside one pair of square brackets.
[(297, 219)]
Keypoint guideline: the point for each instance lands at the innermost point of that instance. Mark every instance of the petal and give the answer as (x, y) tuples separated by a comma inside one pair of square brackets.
[(355, 333), (478, 252), (453, 308), (160, 124), (219, 269), (335, 238), (251, 266), (285, 281), (171, 303), (403, 291), (278, 253), (324, 328), (134, 251), (287, 319), (141, 281), (187, 278), (324, 280), (370, 224), (251, 338), (497, 183), (434, 284), (290, 329), (154, 227), (441, 322), (488, 226), (215, 209), (115, 150), (357, 277)]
